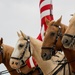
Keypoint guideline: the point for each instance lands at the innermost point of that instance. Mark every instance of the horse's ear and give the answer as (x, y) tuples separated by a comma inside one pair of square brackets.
[(18, 34), (22, 34), (47, 21), (59, 20), (1, 40), (71, 15)]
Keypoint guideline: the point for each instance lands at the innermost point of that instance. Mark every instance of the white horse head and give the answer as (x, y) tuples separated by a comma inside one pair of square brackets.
[(21, 51)]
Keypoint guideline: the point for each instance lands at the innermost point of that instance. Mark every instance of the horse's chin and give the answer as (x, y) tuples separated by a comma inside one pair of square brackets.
[(15, 67)]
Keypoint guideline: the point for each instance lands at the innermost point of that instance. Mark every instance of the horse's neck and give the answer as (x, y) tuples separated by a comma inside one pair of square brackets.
[(46, 66), (36, 48), (64, 27), (36, 44), (70, 55), (7, 50)]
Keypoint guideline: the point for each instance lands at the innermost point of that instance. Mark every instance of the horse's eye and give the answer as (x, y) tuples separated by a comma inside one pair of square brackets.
[(21, 45), (52, 34)]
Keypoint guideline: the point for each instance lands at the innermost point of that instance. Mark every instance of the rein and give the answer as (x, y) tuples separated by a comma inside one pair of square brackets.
[(52, 49)]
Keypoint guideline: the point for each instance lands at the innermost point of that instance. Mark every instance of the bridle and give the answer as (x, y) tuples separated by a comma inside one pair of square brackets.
[(1, 52), (21, 58), (27, 46), (52, 49), (72, 38)]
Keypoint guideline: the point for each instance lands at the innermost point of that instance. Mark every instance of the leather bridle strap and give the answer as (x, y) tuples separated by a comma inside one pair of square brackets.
[(72, 36), (52, 49), (27, 46)]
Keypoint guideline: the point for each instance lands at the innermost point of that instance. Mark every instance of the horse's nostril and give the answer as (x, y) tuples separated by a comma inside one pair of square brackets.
[(44, 54), (12, 62), (16, 63)]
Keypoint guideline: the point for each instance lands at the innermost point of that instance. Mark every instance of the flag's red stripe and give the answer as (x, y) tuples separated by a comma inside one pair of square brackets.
[(46, 7), (49, 17), (39, 37), (28, 63)]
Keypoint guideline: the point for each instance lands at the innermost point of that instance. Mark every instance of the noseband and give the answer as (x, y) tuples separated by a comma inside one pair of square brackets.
[(72, 38), (27, 46), (52, 49), (1, 52)]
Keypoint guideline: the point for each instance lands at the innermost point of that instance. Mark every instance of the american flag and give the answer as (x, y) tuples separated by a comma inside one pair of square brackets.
[(46, 8)]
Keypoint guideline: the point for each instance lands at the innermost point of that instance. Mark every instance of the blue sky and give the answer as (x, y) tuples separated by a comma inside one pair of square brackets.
[(24, 15)]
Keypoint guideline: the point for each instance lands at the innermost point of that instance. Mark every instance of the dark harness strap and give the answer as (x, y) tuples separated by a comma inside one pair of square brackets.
[(59, 69), (63, 64), (72, 36)]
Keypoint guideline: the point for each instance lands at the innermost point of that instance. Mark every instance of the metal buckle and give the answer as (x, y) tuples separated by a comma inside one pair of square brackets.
[(18, 70)]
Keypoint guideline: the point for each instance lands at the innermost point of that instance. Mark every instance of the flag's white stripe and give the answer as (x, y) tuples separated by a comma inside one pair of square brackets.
[(42, 32), (45, 13), (31, 62), (45, 2)]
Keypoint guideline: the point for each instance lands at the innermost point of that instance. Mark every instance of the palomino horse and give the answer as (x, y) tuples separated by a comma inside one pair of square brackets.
[(52, 42), (5, 53), (27, 46), (68, 39)]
